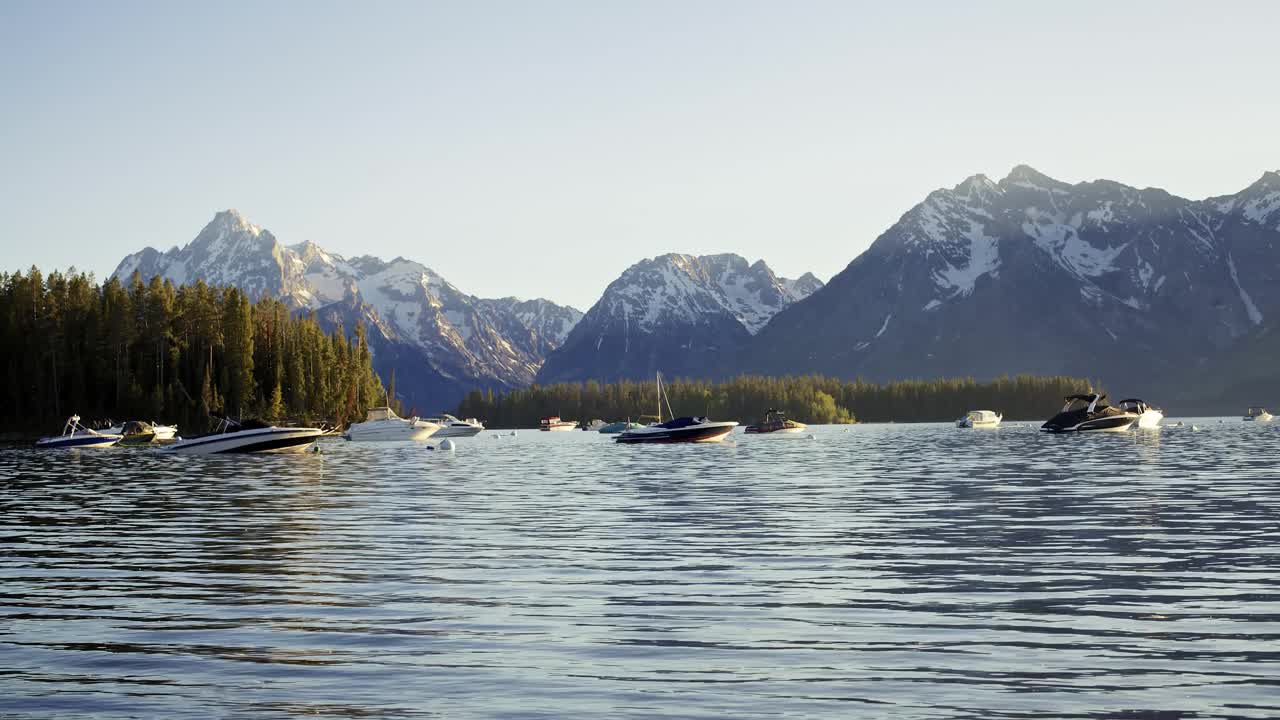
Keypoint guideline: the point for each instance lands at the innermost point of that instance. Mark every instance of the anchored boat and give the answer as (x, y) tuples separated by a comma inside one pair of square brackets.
[(678, 430), (775, 421), (980, 419), (619, 427), (1258, 414), (250, 436), (1089, 413), (1148, 416), (451, 426), (555, 424), (75, 435), (382, 424)]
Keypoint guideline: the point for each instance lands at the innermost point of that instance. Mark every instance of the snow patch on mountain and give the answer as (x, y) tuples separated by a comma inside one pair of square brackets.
[(983, 259), (681, 289), (504, 341), (1254, 315)]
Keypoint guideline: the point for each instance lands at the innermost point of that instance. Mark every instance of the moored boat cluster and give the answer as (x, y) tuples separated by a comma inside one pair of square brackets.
[(1081, 413)]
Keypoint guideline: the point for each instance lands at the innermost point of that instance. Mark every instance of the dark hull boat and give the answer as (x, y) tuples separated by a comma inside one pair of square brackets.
[(680, 430), (1089, 413)]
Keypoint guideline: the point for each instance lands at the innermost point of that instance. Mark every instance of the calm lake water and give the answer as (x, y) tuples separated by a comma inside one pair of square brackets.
[(913, 571)]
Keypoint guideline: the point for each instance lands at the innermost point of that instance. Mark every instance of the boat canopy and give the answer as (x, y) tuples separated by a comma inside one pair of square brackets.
[(682, 422), (381, 413)]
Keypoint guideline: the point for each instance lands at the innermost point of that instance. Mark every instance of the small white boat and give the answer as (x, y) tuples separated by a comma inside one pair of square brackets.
[(382, 424), (451, 426), (1258, 414), (251, 436), (1148, 416), (980, 419), (75, 435), (555, 424)]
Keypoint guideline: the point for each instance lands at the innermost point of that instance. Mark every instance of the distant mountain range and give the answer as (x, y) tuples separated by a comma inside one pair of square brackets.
[(1148, 292), (1141, 289), (441, 341)]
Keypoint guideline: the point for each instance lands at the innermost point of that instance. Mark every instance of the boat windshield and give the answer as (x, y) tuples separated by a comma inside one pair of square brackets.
[(1084, 402)]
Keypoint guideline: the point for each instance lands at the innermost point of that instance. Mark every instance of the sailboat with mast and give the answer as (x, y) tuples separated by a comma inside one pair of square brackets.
[(678, 429)]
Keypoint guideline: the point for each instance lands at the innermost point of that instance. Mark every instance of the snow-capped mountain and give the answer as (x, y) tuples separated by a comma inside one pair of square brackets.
[(680, 314), (1030, 274), (441, 341)]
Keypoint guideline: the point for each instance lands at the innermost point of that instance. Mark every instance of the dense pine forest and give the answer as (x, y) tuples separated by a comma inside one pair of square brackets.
[(810, 399), (69, 345)]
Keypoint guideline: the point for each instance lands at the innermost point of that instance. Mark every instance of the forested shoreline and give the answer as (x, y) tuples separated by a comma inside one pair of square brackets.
[(810, 398), (70, 345)]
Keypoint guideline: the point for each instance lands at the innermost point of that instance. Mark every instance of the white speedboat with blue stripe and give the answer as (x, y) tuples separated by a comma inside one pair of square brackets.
[(250, 436), (74, 435)]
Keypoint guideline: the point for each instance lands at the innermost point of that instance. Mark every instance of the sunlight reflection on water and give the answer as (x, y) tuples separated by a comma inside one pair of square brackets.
[(905, 570)]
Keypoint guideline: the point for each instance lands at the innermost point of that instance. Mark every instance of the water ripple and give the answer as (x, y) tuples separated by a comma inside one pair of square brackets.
[(905, 571)]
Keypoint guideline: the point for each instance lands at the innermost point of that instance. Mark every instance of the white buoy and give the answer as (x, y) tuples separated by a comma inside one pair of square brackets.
[(446, 445), (1195, 428)]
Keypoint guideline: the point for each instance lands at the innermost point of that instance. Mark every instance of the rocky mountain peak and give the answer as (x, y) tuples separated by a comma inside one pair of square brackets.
[(439, 338)]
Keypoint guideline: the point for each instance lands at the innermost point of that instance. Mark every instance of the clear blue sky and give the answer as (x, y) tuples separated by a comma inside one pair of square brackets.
[(539, 148)]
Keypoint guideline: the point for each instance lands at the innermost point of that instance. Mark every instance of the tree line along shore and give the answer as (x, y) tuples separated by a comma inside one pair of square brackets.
[(153, 350), (70, 345), (809, 398)]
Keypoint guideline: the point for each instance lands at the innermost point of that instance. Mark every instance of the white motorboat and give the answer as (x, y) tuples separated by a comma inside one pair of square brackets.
[(555, 424), (1258, 414), (251, 436), (451, 426), (980, 419), (1089, 413), (75, 435), (1148, 416), (677, 430), (382, 424)]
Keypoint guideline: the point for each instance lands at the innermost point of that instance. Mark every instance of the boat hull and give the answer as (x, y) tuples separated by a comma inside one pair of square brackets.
[(559, 428), (753, 430), (710, 433), (270, 440), (1111, 423), (1150, 419)]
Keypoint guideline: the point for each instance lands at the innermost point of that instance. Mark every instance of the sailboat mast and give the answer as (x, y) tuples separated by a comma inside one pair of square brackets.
[(659, 397)]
